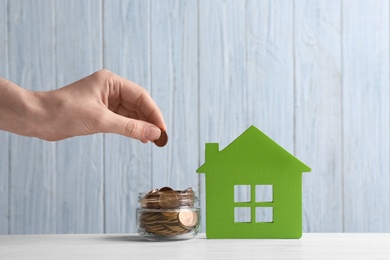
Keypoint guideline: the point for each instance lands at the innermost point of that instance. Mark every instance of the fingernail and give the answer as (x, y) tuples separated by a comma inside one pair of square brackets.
[(152, 133)]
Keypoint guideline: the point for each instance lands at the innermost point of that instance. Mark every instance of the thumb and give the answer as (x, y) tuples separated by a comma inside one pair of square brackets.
[(133, 128)]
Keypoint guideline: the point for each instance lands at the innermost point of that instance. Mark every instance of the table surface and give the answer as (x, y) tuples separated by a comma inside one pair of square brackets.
[(131, 246)]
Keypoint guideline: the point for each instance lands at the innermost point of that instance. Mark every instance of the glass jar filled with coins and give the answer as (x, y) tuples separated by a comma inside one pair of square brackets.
[(167, 214)]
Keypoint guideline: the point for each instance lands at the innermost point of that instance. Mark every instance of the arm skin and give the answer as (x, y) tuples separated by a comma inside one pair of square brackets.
[(100, 103)]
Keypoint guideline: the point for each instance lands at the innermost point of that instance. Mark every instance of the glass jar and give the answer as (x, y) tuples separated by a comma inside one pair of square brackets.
[(167, 214)]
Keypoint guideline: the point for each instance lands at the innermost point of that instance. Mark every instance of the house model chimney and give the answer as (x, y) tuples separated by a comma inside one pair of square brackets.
[(211, 150)]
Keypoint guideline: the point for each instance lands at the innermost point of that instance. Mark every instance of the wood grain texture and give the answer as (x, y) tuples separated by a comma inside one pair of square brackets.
[(127, 162), (222, 67), (174, 74), (223, 89), (4, 136), (366, 116), (318, 123), (32, 161), (4, 183), (270, 69), (313, 75), (79, 161)]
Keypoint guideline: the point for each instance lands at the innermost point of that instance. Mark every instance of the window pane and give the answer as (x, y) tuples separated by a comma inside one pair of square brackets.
[(242, 193), (242, 214), (264, 193), (264, 214)]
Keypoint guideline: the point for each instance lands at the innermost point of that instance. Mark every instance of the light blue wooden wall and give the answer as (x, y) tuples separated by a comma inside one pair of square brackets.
[(313, 75)]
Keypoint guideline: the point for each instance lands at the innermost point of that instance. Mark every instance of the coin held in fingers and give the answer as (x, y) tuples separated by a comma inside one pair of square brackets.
[(163, 140)]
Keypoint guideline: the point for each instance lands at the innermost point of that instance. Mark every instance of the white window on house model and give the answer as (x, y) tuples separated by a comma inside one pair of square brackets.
[(253, 203)]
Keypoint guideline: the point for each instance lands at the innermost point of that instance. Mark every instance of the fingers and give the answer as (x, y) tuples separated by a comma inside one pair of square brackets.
[(131, 111), (133, 128), (137, 98)]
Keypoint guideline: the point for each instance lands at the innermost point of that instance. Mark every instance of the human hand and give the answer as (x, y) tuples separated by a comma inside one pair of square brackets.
[(100, 103)]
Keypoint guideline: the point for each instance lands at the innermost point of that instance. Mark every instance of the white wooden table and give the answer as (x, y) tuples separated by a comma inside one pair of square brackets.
[(310, 246)]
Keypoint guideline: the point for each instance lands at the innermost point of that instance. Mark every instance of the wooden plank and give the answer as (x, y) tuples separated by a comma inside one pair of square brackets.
[(4, 136), (318, 118), (32, 161), (222, 67), (223, 90), (270, 70), (127, 162), (174, 59), (246, 76), (79, 161), (366, 116), (270, 73)]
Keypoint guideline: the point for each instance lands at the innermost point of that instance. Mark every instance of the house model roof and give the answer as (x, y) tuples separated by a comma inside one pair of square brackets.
[(252, 147)]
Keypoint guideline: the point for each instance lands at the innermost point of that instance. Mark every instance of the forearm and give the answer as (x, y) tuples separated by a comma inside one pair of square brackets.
[(19, 109)]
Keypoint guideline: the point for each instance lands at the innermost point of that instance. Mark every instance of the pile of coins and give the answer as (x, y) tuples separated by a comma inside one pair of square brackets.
[(167, 213)]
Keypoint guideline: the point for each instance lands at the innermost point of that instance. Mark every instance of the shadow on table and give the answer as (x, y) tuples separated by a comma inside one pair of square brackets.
[(125, 238), (134, 238)]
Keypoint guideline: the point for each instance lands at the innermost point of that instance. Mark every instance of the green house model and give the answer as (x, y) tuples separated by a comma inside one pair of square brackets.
[(253, 189)]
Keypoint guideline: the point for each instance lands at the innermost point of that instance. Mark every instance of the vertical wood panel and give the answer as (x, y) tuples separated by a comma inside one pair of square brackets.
[(223, 86), (79, 161), (223, 100), (4, 158), (318, 112), (174, 50), (211, 83), (127, 161), (366, 116), (270, 69), (32, 168)]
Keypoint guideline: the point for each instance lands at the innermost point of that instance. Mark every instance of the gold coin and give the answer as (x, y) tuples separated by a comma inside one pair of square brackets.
[(187, 197), (188, 218), (153, 191), (170, 214), (169, 200), (165, 189), (188, 191), (150, 201)]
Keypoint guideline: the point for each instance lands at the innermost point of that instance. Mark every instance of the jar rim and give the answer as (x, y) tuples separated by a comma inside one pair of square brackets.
[(167, 199), (158, 191)]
